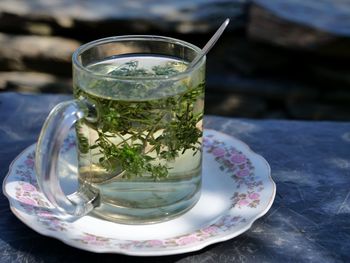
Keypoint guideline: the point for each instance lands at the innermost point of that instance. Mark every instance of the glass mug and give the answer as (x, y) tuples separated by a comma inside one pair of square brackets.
[(137, 113)]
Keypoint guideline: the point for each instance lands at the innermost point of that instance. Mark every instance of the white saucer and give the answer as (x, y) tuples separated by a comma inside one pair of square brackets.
[(237, 190)]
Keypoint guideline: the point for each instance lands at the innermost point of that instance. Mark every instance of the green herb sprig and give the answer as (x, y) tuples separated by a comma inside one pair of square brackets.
[(151, 132)]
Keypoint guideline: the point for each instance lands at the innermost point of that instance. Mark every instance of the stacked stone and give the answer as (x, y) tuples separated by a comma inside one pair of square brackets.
[(37, 38), (314, 37), (278, 58), (290, 62)]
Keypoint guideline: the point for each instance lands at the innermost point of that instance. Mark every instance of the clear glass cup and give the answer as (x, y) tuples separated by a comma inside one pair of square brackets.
[(137, 113)]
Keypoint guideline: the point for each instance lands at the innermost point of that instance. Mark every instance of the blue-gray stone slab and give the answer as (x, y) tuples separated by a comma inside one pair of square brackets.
[(332, 16), (308, 222), (196, 16)]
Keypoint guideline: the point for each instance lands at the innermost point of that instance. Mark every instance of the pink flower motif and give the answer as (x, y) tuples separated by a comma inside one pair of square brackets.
[(125, 246), (210, 229), (28, 187), (155, 243), (254, 196), (243, 202), (27, 200), (218, 152), (238, 159), (243, 173), (89, 238), (187, 240), (45, 214), (29, 163)]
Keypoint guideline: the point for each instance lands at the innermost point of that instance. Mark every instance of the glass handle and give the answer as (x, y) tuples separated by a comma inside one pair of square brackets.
[(53, 133)]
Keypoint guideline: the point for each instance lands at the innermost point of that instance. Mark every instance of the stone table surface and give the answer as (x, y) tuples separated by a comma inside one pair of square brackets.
[(308, 222), (328, 15)]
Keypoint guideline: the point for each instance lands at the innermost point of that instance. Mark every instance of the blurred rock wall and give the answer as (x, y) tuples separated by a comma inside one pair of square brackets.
[(278, 58)]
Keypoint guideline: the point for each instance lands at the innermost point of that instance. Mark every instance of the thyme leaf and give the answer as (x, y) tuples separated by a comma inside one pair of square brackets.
[(150, 132)]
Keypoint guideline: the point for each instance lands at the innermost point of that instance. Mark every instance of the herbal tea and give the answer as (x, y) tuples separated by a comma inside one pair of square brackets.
[(142, 151)]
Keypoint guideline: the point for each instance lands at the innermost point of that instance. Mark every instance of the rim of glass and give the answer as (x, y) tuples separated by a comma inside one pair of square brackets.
[(177, 76)]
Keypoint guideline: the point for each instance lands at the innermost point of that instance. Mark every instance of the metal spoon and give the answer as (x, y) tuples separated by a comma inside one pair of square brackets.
[(209, 45)]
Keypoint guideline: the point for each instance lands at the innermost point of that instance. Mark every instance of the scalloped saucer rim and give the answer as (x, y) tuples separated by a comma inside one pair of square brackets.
[(253, 197)]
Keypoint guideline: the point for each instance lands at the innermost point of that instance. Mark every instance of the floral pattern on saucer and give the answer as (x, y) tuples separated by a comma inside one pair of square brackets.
[(222, 225), (250, 189), (31, 199), (241, 170)]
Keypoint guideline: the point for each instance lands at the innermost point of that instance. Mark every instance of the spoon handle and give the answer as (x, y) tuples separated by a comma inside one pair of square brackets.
[(209, 45)]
